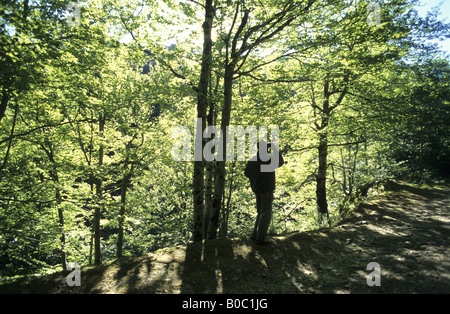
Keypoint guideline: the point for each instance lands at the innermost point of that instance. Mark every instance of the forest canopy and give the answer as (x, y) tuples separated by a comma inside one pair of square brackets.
[(92, 92)]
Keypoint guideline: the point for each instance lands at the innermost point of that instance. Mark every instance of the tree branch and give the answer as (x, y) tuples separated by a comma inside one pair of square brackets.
[(40, 127), (349, 143), (160, 60), (329, 145), (244, 21), (271, 81), (198, 3), (261, 64)]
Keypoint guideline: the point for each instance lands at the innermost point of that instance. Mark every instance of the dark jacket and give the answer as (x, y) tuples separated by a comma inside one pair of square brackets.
[(261, 182)]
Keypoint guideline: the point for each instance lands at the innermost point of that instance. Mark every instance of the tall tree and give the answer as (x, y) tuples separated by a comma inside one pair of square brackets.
[(351, 49), (241, 40), (202, 106)]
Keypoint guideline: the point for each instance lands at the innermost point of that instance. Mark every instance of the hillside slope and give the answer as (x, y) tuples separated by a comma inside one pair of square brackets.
[(406, 232)]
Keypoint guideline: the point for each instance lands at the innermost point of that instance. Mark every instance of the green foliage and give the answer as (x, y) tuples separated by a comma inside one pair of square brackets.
[(84, 130)]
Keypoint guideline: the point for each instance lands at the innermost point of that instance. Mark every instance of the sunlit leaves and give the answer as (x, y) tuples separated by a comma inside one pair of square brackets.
[(66, 80)]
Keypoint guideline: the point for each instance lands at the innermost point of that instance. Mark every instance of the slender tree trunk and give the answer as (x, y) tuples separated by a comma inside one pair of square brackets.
[(123, 200), (91, 181), (421, 152), (219, 179), (91, 245), (321, 190), (98, 191), (198, 191), (61, 225), (344, 174), (97, 248), (321, 187), (11, 136), (54, 175), (210, 165), (202, 106), (353, 170), (327, 108), (208, 196), (55, 178), (4, 103), (226, 209)]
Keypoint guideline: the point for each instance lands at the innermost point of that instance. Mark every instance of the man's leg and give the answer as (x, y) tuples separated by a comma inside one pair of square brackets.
[(264, 215), (258, 216)]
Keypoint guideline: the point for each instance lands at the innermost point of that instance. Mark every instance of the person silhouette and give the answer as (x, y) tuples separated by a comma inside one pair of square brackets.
[(260, 170)]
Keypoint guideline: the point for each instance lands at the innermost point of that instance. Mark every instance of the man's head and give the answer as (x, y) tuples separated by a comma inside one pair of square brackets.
[(268, 162)]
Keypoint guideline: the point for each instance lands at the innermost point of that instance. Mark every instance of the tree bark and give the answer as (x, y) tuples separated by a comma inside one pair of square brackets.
[(209, 177), (123, 199), (321, 188), (202, 106), (5, 159), (54, 175), (98, 191), (327, 108), (219, 180), (4, 103)]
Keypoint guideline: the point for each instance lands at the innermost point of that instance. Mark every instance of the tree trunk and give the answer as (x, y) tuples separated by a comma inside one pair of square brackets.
[(123, 196), (60, 219), (54, 175), (226, 208), (98, 191), (421, 152), (344, 174), (210, 165), (321, 191), (61, 225), (327, 108), (5, 159), (4, 103), (202, 106), (208, 196), (219, 179), (321, 187)]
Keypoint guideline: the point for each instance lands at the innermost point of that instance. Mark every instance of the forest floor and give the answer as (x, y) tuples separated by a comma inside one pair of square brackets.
[(406, 231)]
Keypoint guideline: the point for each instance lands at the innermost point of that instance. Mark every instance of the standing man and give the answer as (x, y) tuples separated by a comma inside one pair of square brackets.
[(261, 172)]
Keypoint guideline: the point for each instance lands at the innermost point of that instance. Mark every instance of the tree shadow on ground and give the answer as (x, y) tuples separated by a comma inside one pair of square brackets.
[(228, 266), (405, 232)]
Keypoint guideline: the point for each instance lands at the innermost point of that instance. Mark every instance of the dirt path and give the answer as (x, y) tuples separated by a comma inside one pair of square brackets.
[(405, 232)]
